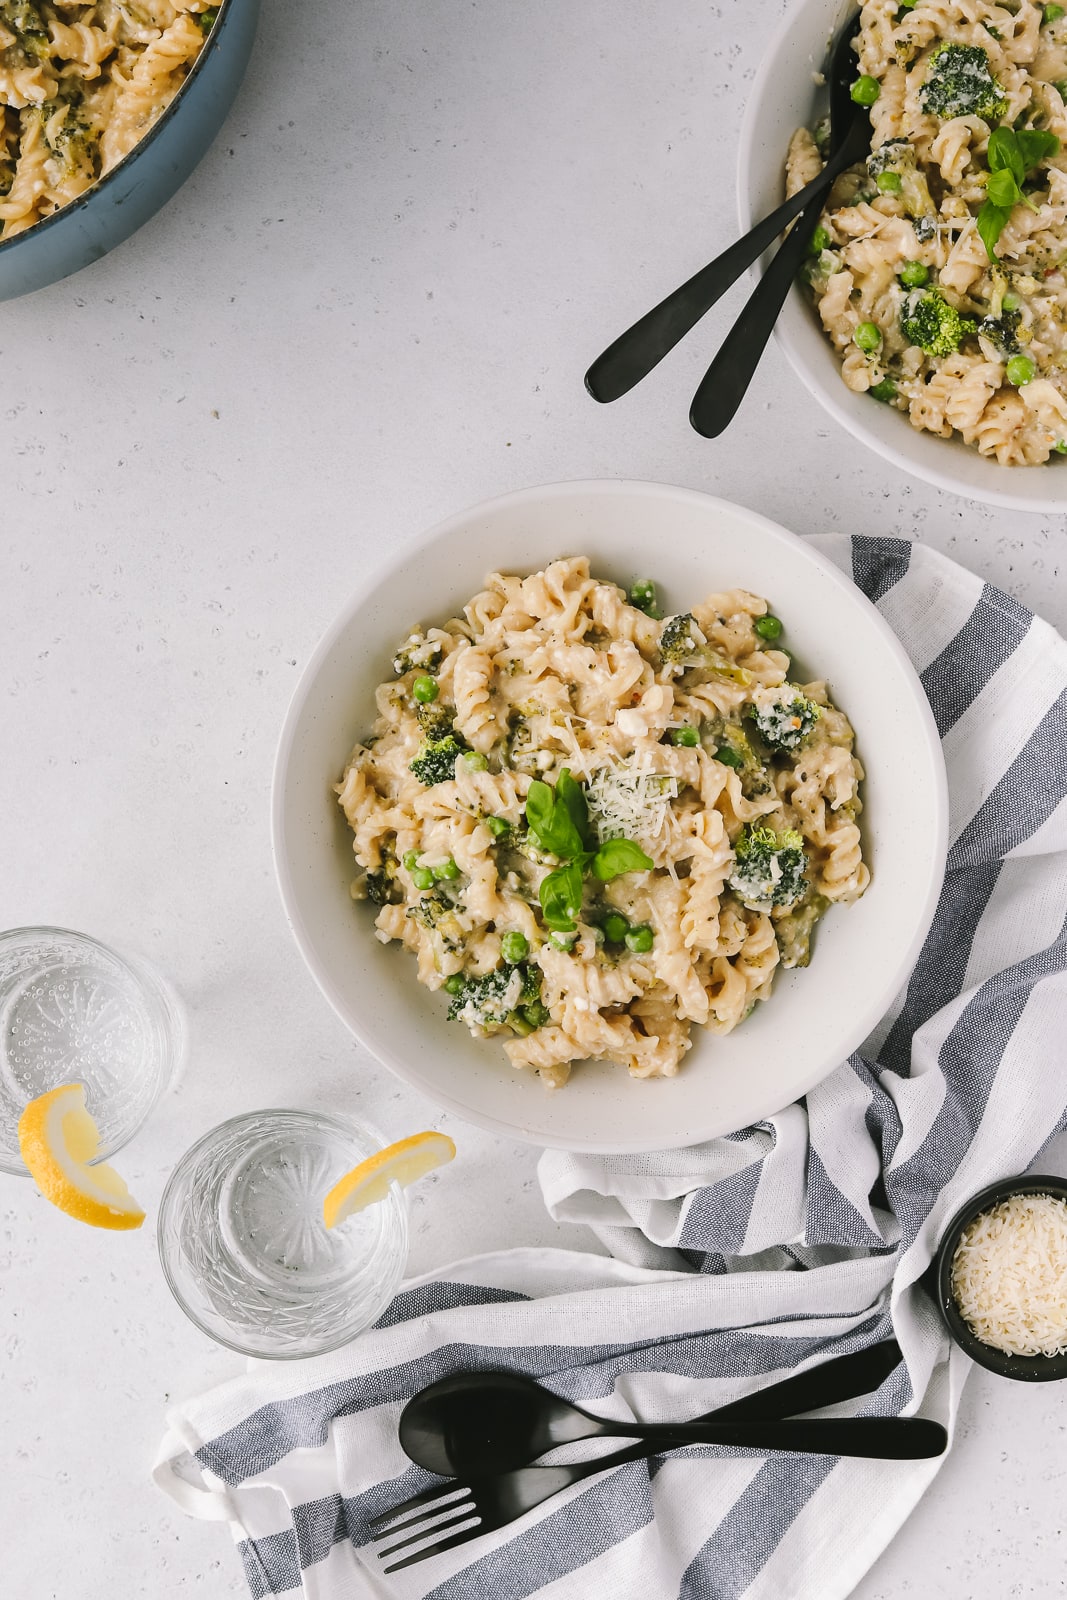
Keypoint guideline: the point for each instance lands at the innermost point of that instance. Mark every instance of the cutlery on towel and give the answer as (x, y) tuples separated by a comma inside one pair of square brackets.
[(485, 1422), (634, 353), (487, 1503)]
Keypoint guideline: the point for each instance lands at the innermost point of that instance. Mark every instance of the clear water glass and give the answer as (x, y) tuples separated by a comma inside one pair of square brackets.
[(244, 1246), (73, 1011)]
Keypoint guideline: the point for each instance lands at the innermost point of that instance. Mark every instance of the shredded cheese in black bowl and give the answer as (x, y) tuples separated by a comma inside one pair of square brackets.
[(1001, 1278)]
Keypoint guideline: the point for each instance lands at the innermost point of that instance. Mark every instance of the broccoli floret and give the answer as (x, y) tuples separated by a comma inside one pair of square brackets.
[(680, 640), (435, 721), (959, 83), (784, 716), (26, 22), (416, 651), (381, 888), (927, 320), (681, 644), (897, 156), (436, 760), (509, 997), (768, 868), (1003, 332), (436, 912)]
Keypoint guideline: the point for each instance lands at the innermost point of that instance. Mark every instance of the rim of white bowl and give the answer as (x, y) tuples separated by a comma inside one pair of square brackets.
[(381, 1051), (837, 405)]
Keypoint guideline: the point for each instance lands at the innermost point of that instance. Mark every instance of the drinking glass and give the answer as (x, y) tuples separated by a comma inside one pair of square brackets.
[(73, 1011), (244, 1246)]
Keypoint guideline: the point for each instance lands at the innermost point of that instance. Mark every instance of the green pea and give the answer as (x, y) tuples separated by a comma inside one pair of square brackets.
[(1061, 88), (729, 756), (615, 927), (411, 859), (1053, 13), (890, 182), (498, 826), (514, 947), (422, 878), (1019, 370), (536, 1014), (913, 274), (688, 738), (768, 627), (865, 90), (475, 760), (454, 984), (820, 241), (445, 870), (521, 1025), (868, 336), (639, 939), (884, 391), (425, 691), (1011, 301), (1060, 447)]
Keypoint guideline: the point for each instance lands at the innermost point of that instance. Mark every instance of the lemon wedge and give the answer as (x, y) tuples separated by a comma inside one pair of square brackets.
[(401, 1163), (58, 1138)]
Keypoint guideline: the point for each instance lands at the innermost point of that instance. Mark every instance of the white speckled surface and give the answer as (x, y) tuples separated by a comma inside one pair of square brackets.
[(373, 304)]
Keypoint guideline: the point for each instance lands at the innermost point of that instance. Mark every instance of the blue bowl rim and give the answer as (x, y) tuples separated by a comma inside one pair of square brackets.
[(81, 201), (1025, 1369)]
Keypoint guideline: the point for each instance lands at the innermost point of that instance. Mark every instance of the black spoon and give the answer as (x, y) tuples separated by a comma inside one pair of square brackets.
[(726, 381), (634, 353), (480, 1423)]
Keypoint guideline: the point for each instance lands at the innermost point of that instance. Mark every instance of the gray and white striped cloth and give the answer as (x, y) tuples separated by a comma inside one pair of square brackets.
[(734, 1261)]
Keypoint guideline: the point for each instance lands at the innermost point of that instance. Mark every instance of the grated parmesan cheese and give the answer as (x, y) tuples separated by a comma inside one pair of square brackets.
[(1009, 1275), (630, 802)]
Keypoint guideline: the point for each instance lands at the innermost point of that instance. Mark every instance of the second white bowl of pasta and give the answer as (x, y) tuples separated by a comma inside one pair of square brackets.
[(932, 324), (561, 861)]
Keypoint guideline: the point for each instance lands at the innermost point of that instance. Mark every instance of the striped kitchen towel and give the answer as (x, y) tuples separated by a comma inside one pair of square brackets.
[(734, 1261)]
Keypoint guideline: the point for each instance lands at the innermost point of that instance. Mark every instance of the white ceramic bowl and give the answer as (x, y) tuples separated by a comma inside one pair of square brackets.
[(691, 544), (785, 97)]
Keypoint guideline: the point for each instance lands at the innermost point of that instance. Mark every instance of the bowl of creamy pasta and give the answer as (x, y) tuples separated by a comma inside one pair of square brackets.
[(105, 109), (931, 316), (611, 816)]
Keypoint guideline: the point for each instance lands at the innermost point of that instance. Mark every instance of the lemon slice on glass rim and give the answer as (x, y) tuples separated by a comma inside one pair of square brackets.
[(400, 1163), (57, 1139)]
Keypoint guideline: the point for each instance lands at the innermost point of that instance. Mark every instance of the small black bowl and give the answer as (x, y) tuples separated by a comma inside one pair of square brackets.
[(1030, 1369)]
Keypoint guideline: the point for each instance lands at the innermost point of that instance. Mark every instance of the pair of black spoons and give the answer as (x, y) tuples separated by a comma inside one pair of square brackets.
[(477, 1424), (635, 352)]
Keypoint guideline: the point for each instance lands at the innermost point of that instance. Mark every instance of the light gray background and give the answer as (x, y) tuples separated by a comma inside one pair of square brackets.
[(372, 305)]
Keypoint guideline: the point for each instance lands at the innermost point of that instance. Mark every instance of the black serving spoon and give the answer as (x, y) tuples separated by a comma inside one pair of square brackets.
[(634, 353), (480, 1423), (726, 381)]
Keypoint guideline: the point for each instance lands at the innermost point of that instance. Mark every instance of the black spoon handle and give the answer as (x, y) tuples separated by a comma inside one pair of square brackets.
[(841, 1378), (884, 1438), (726, 381), (634, 353)]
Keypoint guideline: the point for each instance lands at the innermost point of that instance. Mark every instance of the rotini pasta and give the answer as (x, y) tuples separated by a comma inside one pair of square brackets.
[(80, 85), (595, 828), (938, 272)]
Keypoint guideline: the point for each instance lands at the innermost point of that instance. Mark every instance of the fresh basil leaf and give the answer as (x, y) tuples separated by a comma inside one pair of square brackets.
[(550, 821), (572, 794), (561, 898), (1005, 155), (1002, 188), (617, 856), (1035, 146), (991, 223)]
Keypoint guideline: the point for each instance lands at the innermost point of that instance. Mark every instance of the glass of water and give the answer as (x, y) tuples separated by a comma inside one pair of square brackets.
[(244, 1246), (73, 1011)]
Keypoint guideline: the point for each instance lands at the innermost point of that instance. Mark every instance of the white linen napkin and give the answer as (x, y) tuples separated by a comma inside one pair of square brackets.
[(734, 1261)]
